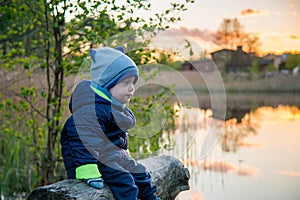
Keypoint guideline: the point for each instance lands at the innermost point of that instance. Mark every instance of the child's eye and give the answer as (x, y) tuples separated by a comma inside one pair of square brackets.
[(128, 81)]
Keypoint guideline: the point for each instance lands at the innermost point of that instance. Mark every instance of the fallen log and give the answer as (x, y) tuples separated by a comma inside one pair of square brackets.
[(168, 174)]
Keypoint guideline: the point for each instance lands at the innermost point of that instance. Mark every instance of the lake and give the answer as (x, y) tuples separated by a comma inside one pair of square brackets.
[(255, 155)]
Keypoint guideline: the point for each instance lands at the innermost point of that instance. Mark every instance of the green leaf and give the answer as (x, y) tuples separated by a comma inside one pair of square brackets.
[(26, 64)]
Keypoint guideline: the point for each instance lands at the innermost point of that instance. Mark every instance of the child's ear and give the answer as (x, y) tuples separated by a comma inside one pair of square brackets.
[(120, 48)]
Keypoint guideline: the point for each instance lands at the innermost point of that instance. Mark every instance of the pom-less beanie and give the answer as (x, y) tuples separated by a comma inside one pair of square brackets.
[(109, 66)]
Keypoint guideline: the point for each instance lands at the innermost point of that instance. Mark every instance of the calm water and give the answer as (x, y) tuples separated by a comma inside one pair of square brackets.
[(256, 159)]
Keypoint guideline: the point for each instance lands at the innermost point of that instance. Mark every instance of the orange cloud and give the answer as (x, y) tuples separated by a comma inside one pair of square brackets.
[(205, 35), (288, 173), (250, 11), (294, 37)]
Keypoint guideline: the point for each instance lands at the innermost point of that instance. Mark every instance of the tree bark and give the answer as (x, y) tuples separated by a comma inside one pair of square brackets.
[(168, 174)]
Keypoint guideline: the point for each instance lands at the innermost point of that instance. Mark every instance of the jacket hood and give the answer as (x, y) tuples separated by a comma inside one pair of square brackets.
[(83, 95)]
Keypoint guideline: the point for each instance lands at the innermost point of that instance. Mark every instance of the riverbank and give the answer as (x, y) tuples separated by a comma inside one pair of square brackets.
[(279, 83), (234, 83)]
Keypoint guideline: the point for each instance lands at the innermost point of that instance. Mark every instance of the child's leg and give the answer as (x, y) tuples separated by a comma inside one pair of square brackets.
[(120, 182), (146, 189), (142, 179)]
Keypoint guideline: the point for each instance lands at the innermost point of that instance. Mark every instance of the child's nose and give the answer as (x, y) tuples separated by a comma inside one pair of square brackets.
[(131, 87)]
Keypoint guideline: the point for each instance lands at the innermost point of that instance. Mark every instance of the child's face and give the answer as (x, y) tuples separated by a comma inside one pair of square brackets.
[(124, 90)]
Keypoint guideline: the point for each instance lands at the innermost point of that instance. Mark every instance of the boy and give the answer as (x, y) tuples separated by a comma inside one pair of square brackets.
[(94, 138)]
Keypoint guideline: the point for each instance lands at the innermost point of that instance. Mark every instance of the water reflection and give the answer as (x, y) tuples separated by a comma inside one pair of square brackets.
[(234, 133), (255, 157)]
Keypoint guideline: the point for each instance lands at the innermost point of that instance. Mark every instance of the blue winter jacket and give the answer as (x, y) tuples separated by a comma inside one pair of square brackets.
[(96, 132)]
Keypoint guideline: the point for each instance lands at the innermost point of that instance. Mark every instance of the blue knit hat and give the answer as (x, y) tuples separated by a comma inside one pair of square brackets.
[(110, 66)]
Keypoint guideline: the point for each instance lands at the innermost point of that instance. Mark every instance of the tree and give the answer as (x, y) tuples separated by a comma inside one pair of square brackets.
[(49, 39), (292, 61), (251, 43), (231, 34)]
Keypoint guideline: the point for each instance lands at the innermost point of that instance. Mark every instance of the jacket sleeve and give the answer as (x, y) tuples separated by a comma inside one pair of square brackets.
[(90, 139), (79, 161)]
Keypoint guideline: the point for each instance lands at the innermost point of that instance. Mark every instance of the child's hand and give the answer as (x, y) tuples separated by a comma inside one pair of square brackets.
[(94, 182)]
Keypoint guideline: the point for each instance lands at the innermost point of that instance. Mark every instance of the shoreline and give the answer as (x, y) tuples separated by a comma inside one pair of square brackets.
[(233, 83)]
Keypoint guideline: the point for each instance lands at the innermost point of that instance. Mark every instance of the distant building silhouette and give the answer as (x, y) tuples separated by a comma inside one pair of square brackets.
[(236, 61), (202, 65), (239, 61), (232, 60), (221, 57)]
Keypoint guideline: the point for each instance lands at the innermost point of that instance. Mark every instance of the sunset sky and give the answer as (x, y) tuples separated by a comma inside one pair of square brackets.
[(276, 22)]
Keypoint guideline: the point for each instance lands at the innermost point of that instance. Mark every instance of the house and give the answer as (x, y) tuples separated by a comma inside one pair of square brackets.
[(236, 61), (225, 60), (202, 65), (221, 57), (239, 61)]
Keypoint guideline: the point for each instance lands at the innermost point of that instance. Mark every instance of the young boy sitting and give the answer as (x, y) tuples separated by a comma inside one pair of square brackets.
[(94, 138)]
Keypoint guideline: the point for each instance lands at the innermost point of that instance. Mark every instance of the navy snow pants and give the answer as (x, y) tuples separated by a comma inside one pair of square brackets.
[(128, 180)]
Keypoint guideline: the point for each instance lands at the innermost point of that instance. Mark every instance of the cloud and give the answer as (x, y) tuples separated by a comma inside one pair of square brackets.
[(294, 10), (294, 13), (294, 37), (288, 173), (250, 11), (205, 35)]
